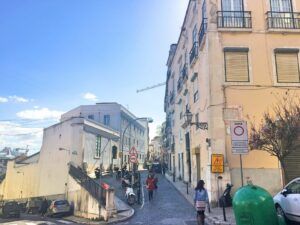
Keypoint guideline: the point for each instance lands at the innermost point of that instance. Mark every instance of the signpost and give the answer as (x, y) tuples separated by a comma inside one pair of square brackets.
[(133, 155), (239, 141)]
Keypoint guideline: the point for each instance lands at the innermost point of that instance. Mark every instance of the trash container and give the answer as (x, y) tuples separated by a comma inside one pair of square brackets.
[(253, 205)]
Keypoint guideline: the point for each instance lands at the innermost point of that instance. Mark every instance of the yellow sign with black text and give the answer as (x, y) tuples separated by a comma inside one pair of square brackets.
[(217, 163)]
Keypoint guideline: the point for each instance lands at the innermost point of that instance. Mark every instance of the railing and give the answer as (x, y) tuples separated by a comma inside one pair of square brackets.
[(283, 20), (172, 97), (88, 183), (179, 83), (194, 52), (234, 19), (184, 72), (202, 31)]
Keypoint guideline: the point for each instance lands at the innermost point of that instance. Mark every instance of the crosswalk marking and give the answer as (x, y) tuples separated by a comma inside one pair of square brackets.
[(64, 221)]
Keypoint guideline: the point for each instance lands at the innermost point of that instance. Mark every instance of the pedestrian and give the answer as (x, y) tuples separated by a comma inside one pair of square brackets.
[(44, 207), (200, 201), (150, 184)]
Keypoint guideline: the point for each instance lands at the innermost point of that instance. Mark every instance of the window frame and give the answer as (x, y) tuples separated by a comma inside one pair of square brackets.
[(104, 119), (98, 146), (237, 49), (286, 51)]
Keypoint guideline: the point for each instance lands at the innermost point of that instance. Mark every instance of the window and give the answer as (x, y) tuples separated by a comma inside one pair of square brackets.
[(236, 65), (281, 5), (294, 187), (287, 65), (204, 9), (195, 87), (98, 146), (232, 5), (106, 120), (195, 34), (91, 117), (197, 120)]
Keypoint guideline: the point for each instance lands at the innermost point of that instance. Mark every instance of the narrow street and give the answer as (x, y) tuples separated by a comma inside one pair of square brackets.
[(168, 206)]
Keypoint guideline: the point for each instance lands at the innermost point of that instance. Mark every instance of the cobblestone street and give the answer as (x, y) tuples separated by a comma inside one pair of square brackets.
[(168, 206)]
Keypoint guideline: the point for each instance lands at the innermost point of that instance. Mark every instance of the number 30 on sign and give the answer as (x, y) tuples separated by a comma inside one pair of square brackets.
[(217, 163)]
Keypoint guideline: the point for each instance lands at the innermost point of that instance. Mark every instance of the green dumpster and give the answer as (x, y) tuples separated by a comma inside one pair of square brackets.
[(253, 205)]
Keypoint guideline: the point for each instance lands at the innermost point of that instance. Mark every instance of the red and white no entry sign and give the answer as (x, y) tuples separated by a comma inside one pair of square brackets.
[(133, 154), (238, 130), (239, 137)]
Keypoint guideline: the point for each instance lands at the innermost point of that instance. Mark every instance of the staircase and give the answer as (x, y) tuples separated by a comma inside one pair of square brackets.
[(90, 185)]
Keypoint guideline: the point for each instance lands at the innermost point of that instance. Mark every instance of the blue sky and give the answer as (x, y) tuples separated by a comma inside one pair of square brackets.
[(56, 55)]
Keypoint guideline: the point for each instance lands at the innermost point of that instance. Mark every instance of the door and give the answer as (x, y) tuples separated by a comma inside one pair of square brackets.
[(233, 13), (188, 155), (198, 166)]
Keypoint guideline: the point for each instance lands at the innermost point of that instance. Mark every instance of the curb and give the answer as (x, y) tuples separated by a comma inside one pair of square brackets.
[(211, 220)]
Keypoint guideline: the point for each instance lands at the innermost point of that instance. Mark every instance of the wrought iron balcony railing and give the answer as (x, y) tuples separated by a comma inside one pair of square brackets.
[(184, 72), (234, 19), (283, 20), (202, 31), (194, 52)]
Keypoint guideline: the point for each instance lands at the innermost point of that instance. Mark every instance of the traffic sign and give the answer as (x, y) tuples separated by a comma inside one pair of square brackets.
[(133, 155), (217, 163), (239, 137)]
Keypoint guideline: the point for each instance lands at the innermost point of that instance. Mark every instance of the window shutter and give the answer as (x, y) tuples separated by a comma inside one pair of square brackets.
[(287, 68), (236, 66)]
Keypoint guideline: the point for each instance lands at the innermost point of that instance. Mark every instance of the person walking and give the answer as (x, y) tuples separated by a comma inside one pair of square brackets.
[(200, 201), (44, 207), (150, 184)]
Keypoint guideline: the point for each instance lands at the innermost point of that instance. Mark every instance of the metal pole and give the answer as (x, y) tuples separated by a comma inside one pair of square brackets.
[(242, 175)]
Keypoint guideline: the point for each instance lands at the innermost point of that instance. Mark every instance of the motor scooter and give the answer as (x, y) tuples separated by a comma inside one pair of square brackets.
[(130, 195)]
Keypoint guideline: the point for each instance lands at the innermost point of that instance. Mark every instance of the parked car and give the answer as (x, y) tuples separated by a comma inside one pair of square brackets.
[(287, 202), (10, 209), (34, 205), (156, 167), (59, 207)]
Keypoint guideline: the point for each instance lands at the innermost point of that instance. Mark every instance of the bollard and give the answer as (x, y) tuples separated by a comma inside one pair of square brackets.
[(187, 188), (223, 206)]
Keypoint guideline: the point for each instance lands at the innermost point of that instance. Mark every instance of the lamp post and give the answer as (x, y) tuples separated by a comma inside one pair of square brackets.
[(188, 116), (149, 120)]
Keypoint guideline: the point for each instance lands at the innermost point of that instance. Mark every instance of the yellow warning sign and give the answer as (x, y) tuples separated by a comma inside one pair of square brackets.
[(217, 163)]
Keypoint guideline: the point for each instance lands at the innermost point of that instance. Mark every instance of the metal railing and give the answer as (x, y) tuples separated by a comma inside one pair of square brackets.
[(88, 183), (179, 83), (283, 20), (234, 19), (184, 72), (172, 97), (203, 29), (194, 52)]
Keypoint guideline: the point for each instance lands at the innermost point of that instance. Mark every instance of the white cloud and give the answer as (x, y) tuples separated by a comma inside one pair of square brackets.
[(3, 99), (39, 114), (15, 135), (90, 97), (15, 98)]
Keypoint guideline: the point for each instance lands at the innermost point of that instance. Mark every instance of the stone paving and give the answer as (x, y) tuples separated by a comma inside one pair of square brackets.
[(169, 207)]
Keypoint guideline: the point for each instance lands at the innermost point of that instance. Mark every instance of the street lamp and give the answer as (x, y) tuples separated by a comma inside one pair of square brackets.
[(149, 120), (68, 150), (188, 116)]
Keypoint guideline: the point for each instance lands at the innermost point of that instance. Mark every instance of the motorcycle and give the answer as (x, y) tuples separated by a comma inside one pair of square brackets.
[(226, 199)]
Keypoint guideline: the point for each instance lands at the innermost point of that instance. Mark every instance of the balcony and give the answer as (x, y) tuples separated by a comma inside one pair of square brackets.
[(172, 98), (202, 31), (283, 20), (234, 19), (184, 72), (194, 52), (179, 84)]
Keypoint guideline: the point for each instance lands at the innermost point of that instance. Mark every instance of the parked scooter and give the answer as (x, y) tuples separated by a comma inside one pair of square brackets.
[(129, 193), (226, 199)]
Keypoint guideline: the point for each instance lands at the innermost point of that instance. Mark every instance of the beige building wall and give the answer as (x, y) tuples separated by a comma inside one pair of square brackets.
[(219, 101)]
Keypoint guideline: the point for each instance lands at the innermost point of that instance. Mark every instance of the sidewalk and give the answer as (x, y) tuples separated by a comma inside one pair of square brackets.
[(215, 217)]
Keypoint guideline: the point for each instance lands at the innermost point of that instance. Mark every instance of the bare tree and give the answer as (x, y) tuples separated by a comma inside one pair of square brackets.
[(278, 133)]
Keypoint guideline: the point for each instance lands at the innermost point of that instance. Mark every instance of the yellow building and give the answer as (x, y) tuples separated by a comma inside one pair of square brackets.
[(232, 61)]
